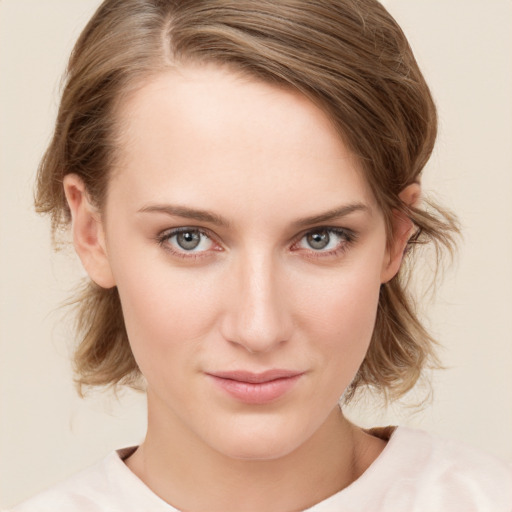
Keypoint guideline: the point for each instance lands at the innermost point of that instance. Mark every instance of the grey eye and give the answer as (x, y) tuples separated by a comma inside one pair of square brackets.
[(318, 239), (188, 240)]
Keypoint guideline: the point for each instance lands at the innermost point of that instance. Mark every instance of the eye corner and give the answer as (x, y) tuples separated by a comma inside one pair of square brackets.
[(345, 238), (191, 249)]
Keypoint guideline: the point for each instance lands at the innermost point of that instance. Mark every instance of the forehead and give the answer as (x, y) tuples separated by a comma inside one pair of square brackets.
[(205, 130)]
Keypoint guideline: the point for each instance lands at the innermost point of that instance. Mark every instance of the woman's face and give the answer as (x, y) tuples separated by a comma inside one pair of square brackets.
[(248, 253)]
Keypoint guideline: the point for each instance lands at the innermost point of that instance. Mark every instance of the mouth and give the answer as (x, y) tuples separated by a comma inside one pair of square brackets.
[(256, 388)]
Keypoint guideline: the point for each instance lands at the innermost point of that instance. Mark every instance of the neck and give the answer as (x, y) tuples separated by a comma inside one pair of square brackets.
[(190, 475)]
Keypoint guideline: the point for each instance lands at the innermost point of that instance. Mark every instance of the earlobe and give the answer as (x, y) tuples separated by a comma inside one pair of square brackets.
[(88, 232), (403, 229)]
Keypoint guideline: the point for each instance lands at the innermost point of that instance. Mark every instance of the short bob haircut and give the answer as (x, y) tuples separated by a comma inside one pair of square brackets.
[(349, 57)]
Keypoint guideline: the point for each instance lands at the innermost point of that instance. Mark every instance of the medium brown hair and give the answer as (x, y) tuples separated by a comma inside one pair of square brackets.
[(347, 56)]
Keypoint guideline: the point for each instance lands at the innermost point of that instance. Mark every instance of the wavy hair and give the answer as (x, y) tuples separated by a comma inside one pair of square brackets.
[(349, 57)]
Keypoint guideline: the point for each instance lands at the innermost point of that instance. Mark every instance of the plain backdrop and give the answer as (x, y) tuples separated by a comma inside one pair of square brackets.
[(47, 432)]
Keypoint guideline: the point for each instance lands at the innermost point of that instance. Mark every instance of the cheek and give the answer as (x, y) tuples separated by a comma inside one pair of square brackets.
[(355, 307), (341, 321), (167, 313), (345, 300)]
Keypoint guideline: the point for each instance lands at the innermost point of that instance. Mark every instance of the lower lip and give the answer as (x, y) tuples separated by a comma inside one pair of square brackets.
[(256, 393)]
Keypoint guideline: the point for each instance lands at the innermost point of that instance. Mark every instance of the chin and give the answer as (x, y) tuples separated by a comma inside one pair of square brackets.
[(259, 450), (259, 440)]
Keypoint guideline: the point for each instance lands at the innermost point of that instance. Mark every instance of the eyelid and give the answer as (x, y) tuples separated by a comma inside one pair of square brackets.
[(165, 235), (348, 235), (345, 232)]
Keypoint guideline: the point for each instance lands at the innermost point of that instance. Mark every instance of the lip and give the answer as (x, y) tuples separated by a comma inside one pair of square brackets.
[(256, 388)]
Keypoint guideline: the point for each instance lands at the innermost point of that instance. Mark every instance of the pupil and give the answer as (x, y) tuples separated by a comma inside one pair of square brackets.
[(318, 240), (188, 240)]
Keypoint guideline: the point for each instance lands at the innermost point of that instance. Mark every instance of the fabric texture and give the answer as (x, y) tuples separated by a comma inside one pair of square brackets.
[(416, 472)]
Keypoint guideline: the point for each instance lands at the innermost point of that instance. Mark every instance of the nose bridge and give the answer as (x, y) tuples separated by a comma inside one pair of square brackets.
[(258, 317)]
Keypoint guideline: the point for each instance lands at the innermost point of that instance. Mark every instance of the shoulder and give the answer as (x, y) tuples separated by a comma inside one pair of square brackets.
[(448, 475), (421, 472), (445, 458), (108, 485)]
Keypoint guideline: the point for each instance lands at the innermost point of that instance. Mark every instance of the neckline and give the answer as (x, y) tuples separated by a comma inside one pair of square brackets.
[(390, 434)]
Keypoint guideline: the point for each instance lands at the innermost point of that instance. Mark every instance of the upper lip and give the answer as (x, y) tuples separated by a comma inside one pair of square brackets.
[(256, 377)]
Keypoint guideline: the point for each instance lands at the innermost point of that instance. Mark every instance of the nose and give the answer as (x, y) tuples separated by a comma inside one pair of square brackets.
[(258, 317)]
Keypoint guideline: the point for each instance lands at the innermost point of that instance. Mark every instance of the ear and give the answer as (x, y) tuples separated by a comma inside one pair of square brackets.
[(402, 228), (88, 232)]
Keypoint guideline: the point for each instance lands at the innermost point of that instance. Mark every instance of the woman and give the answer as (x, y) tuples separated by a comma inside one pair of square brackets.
[(243, 180)]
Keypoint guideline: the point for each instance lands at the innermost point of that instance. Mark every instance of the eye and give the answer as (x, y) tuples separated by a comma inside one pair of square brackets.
[(186, 240), (325, 240), (319, 240)]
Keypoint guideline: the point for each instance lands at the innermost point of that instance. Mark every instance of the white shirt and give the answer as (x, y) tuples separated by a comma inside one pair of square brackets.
[(416, 472)]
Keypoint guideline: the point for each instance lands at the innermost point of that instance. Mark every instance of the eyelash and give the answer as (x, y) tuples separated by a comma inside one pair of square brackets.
[(164, 237), (348, 238)]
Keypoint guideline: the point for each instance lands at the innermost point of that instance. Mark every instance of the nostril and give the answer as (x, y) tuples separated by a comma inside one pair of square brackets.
[(257, 316)]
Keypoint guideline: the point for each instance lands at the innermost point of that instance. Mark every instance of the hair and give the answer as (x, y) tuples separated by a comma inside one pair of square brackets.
[(349, 57)]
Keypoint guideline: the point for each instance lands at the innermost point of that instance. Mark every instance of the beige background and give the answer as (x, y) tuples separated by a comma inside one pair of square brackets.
[(47, 432)]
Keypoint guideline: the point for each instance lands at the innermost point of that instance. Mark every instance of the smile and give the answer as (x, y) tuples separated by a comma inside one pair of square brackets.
[(256, 388)]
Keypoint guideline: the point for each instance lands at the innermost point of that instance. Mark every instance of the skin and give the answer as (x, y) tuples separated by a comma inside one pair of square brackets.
[(253, 295)]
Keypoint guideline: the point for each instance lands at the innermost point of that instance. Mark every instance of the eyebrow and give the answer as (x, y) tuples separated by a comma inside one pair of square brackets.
[(330, 215), (188, 213), (215, 219)]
